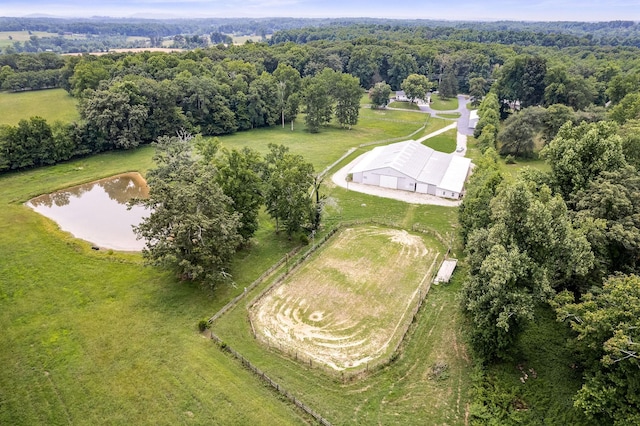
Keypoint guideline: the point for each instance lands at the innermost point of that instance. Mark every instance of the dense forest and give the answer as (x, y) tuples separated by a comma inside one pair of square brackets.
[(102, 33), (566, 239)]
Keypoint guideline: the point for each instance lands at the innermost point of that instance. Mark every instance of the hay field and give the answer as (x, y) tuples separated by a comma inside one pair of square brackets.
[(348, 306)]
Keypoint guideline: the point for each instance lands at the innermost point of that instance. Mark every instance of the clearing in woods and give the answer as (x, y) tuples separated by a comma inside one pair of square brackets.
[(351, 302)]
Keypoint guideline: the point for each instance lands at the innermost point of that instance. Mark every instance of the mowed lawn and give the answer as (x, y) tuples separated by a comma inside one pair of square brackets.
[(51, 104), (326, 146), (444, 142), (334, 309)]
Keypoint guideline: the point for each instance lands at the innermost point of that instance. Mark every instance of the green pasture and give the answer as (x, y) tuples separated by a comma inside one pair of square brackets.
[(7, 38), (444, 142), (326, 146), (52, 105), (96, 337), (428, 383), (242, 39), (93, 337), (508, 169), (440, 104)]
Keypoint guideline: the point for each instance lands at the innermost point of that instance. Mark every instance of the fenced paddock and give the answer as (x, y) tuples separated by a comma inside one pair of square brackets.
[(348, 306)]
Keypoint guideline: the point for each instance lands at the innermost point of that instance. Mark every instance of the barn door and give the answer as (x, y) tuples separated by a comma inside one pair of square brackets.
[(389, 182)]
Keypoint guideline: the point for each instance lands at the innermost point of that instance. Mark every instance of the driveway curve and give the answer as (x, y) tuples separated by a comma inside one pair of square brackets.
[(462, 123)]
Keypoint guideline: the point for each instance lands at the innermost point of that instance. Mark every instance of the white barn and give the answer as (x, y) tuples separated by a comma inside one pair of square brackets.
[(411, 166)]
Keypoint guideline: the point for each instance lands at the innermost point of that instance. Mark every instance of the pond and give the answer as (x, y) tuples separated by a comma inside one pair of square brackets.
[(97, 211)]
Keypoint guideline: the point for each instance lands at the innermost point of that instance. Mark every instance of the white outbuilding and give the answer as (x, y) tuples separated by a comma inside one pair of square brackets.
[(473, 118), (411, 166)]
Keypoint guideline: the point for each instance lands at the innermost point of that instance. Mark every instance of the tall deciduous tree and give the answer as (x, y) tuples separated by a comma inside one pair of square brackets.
[(522, 80), (607, 327), (478, 87), (288, 83), (191, 226), (288, 180), (118, 115), (346, 91), (239, 176), (416, 86), (448, 87), (530, 248), (379, 94), (488, 114), (578, 154), (401, 65), (317, 102), (520, 130), (475, 210), (613, 200)]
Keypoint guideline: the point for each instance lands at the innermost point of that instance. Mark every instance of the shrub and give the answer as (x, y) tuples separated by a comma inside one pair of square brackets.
[(203, 324)]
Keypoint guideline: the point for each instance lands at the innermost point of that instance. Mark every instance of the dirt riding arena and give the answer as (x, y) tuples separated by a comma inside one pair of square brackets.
[(351, 302)]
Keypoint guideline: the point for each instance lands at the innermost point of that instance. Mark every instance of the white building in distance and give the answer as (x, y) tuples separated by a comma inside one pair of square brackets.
[(411, 166)]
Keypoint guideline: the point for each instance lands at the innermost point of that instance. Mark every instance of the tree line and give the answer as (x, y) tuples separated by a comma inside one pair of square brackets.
[(122, 106), (567, 238)]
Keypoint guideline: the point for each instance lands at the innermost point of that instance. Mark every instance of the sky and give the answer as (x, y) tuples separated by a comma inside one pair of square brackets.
[(525, 10)]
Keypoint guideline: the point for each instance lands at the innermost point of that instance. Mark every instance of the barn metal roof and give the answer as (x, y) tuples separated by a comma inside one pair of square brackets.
[(456, 174), (407, 157), (419, 162)]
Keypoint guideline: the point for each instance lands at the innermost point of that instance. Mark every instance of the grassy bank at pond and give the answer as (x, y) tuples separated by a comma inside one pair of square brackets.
[(93, 338), (51, 104)]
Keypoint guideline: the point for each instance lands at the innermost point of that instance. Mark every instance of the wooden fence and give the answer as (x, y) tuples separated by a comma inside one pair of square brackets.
[(423, 290), (292, 261), (266, 379)]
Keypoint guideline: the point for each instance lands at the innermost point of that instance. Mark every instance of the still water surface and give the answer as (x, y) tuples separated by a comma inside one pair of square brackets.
[(97, 211)]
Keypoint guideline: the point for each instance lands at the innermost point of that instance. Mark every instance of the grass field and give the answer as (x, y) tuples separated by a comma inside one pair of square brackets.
[(94, 338), (428, 383), (335, 308), (452, 115), (243, 39), (444, 142), (326, 146), (52, 105), (443, 105), (7, 38)]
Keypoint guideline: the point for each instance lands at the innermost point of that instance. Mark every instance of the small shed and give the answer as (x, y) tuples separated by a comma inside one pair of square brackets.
[(473, 118), (445, 271)]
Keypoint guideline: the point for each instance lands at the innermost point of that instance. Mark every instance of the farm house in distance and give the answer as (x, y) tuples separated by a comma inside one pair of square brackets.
[(411, 166)]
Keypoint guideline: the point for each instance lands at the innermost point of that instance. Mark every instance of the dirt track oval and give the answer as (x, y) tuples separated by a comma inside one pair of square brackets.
[(350, 303)]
